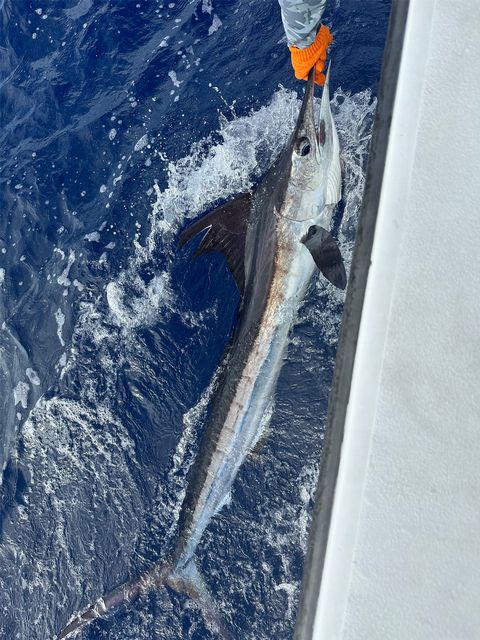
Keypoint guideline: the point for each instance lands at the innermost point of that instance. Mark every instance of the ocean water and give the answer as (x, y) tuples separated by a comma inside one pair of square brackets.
[(121, 120)]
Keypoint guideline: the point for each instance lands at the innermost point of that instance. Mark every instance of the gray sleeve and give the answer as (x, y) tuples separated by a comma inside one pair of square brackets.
[(300, 20)]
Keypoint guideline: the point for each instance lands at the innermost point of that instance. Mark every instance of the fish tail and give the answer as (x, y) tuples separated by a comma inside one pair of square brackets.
[(126, 593), (186, 580)]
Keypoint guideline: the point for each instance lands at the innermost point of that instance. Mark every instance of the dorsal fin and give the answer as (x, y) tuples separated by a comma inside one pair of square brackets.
[(226, 227)]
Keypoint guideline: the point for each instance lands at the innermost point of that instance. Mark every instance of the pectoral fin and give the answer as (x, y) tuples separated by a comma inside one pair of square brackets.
[(226, 228), (326, 254)]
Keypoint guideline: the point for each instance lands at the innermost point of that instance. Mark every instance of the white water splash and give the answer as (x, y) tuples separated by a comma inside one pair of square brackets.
[(63, 279), (20, 394), (224, 163), (215, 26), (75, 456), (32, 375), (141, 143), (140, 310), (60, 320)]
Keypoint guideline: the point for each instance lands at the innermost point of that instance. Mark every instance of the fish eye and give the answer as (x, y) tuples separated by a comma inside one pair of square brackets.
[(303, 147)]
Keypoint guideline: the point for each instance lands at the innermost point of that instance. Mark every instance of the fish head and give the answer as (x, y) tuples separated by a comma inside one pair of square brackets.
[(315, 158)]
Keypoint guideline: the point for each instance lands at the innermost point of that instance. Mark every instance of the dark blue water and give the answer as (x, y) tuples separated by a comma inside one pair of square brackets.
[(120, 121)]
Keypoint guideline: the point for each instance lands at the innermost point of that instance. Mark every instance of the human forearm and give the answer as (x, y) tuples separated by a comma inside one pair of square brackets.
[(301, 19)]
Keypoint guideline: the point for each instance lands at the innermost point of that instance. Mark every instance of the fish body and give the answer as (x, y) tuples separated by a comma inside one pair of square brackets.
[(298, 193), (273, 240)]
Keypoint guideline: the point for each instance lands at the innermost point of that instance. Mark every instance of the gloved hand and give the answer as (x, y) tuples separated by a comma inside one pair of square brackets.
[(314, 55)]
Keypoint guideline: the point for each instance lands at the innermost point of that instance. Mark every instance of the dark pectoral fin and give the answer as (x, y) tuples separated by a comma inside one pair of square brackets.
[(226, 227), (326, 254)]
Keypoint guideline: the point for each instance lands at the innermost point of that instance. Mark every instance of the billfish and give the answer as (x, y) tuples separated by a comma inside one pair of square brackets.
[(273, 239)]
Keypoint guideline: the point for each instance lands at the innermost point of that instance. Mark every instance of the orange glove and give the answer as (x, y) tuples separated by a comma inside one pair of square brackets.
[(314, 55)]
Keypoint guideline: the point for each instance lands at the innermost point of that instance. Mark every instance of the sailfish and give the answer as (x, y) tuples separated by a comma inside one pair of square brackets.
[(273, 239)]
